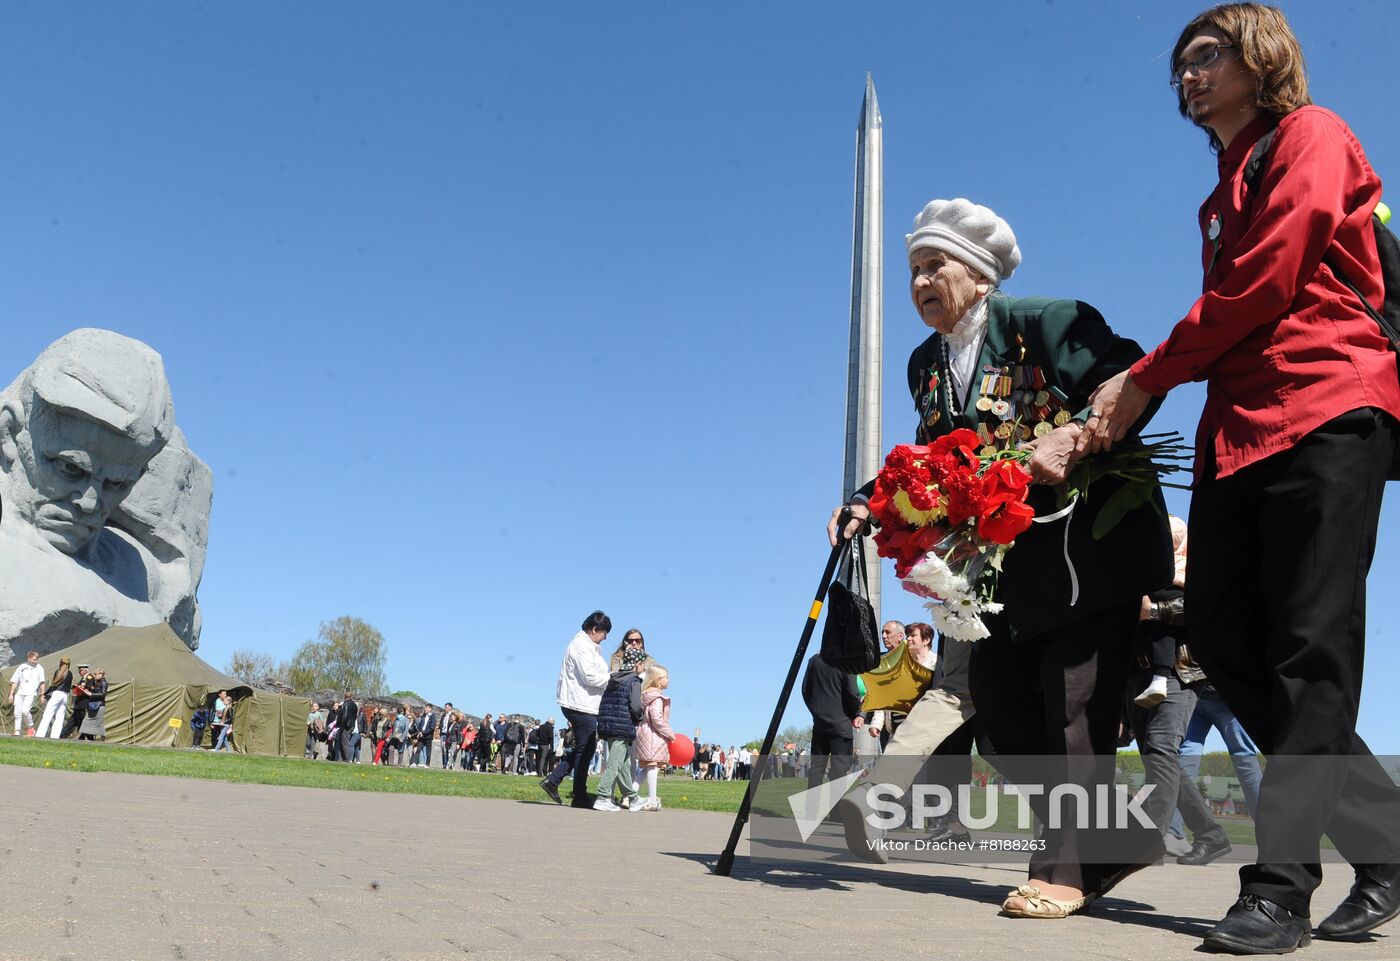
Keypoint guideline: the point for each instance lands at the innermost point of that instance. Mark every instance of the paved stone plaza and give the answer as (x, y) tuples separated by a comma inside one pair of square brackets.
[(114, 866)]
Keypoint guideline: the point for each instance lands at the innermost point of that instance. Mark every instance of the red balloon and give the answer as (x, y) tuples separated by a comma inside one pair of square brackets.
[(682, 751)]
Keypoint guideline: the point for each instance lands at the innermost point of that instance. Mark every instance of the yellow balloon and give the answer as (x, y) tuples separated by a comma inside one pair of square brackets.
[(1383, 212)]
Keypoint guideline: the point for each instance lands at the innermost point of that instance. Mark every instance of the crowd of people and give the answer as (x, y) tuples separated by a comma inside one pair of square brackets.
[(428, 736), (84, 690)]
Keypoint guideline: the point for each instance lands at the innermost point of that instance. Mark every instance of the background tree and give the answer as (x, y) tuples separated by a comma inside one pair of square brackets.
[(252, 667), (792, 734), (348, 654)]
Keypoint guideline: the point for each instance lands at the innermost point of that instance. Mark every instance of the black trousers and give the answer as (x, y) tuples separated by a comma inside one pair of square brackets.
[(951, 762), (1059, 698), (1276, 592), (831, 757)]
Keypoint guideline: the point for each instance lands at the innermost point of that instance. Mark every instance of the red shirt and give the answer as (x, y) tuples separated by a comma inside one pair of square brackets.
[(1283, 346)]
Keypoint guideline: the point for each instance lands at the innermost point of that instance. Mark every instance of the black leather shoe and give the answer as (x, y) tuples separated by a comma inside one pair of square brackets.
[(551, 790), (1374, 900), (1254, 925), (948, 830), (1204, 852)]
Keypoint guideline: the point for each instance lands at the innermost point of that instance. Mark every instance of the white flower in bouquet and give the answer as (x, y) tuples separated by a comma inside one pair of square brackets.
[(932, 577), (959, 617)]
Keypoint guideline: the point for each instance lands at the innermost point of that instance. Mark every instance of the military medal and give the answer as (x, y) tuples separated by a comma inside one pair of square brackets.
[(1043, 428), (1062, 418), (984, 403), (1003, 431), (1001, 408)]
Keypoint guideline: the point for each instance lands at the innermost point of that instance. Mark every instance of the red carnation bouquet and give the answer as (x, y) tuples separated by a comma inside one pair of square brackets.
[(948, 515)]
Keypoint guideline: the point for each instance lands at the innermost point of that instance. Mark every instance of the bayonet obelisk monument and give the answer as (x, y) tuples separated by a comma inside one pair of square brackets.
[(865, 373)]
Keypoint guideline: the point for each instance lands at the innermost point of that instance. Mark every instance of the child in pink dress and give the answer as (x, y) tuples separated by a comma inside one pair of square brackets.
[(654, 733)]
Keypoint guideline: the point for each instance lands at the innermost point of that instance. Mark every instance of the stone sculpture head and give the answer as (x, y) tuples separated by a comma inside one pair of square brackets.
[(77, 429)]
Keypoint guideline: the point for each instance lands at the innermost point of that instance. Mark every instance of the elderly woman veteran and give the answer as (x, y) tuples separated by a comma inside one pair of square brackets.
[(1049, 680)]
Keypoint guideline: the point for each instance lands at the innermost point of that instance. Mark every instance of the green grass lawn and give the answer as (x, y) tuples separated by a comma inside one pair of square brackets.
[(677, 791)]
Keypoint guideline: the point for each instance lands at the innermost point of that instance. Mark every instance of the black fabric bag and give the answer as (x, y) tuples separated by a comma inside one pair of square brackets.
[(851, 638)]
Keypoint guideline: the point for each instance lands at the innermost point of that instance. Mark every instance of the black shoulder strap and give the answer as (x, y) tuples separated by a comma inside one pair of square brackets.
[(1254, 168), (1254, 175)]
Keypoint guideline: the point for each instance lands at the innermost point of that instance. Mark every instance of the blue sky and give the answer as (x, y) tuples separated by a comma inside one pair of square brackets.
[(486, 316)]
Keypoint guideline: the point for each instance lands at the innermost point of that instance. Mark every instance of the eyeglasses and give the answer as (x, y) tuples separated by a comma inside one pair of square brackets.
[(1200, 62)]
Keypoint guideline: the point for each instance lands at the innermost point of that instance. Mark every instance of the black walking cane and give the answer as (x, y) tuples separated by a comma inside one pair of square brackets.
[(726, 859)]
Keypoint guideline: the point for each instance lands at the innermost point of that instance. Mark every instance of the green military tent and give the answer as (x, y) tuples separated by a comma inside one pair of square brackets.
[(156, 683)]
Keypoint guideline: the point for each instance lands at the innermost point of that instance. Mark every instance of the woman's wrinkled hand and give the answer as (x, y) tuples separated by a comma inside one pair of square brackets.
[(859, 517), (1113, 410), (1054, 455)]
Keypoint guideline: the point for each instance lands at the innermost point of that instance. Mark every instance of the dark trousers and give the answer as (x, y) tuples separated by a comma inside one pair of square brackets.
[(950, 765), (1059, 698), (1280, 551), (75, 719), (585, 743), (347, 753), (1160, 731), (831, 757)]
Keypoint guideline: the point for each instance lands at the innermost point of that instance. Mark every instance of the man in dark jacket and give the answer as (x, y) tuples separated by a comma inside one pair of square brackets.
[(545, 734), (485, 735), (834, 700), (445, 733), (427, 729), (511, 746), (348, 717)]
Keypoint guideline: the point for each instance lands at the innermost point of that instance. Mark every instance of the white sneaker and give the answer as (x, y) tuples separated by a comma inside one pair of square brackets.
[(650, 804), (1154, 694), (631, 802), (603, 804)]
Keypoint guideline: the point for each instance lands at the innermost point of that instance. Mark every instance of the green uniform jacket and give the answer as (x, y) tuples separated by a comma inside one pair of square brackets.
[(1075, 349)]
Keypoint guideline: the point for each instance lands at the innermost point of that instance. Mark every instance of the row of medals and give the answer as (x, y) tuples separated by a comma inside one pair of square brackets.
[(1018, 398)]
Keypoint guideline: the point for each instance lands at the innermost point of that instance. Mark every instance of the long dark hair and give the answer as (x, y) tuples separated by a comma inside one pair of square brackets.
[(1267, 49), (622, 644)]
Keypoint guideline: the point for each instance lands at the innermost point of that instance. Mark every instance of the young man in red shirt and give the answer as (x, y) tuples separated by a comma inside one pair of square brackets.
[(1292, 452)]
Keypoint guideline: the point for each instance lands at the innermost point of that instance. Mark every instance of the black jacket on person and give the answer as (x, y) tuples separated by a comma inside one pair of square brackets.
[(831, 696), (347, 715)]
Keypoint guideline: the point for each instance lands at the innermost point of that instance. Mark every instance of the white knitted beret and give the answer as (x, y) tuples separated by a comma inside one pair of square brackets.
[(970, 232)]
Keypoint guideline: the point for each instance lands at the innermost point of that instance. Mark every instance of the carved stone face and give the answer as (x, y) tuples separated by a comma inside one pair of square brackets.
[(64, 474)]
